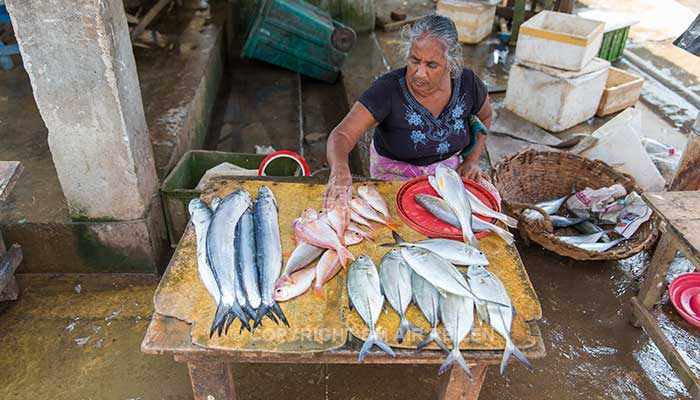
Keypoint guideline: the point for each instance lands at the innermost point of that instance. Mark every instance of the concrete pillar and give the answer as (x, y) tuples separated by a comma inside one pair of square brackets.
[(79, 58)]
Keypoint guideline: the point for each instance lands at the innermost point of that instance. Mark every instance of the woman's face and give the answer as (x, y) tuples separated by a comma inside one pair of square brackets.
[(426, 66)]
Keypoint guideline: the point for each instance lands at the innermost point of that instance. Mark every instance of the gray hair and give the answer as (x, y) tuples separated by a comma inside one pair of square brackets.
[(440, 28)]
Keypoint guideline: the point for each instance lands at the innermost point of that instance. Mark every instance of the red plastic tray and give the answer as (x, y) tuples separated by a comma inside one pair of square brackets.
[(422, 221), (681, 290)]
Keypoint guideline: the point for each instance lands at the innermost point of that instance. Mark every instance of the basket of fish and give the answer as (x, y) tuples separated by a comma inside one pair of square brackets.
[(576, 207)]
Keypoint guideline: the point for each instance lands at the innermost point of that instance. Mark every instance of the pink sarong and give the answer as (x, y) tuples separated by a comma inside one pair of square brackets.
[(386, 169)]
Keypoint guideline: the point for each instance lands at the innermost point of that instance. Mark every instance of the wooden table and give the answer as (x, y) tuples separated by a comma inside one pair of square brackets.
[(680, 231), (210, 365)]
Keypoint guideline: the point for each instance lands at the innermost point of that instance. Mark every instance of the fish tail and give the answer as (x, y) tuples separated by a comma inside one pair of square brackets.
[(404, 326), (512, 350), (398, 240), (343, 255), (276, 309), (249, 311), (319, 292), (236, 311), (455, 356), (509, 221), (262, 310), (470, 239), (391, 225), (504, 234), (432, 336), (219, 319), (374, 339)]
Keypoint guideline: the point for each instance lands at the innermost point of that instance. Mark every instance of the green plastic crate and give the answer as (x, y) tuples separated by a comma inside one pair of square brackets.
[(178, 187), (613, 44), (296, 35)]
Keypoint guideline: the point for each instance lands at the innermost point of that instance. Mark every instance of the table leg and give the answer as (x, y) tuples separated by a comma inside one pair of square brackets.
[(653, 286), (211, 381), (456, 385)]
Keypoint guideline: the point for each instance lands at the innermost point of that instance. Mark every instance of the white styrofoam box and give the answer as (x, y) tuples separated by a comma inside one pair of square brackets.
[(556, 99), (474, 20), (619, 144), (559, 40)]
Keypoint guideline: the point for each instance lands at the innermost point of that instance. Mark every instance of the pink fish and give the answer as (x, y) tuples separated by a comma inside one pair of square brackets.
[(374, 199), (353, 227), (352, 238), (300, 282), (339, 219), (320, 234), (327, 267), (366, 211), (358, 219), (323, 216)]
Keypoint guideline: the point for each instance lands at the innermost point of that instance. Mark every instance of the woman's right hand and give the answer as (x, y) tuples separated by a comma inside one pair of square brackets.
[(339, 189)]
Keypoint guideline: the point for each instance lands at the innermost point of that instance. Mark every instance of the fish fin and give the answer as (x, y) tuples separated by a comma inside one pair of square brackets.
[(404, 326), (237, 312), (511, 349), (482, 311), (509, 221), (319, 292), (276, 309), (374, 339), (397, 238), (440, 343), (442, 292), (387, 244), (455, 356), (343, 255), (219, 319), (350, 305), (504, 234), (432, 336), (262, 310), (392, 225)]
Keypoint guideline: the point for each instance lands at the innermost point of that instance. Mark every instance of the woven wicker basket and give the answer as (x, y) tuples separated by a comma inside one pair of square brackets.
[(532, 176)]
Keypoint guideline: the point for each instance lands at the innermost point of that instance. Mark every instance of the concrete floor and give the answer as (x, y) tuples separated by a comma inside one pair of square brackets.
[(78, 337)]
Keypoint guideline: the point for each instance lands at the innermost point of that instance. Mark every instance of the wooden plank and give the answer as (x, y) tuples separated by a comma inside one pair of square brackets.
[(211, 381), (687, 238), (456, 385), (9, 174), (148, 18), (672, 356), (653, 286), (687, 175), (9, 263), (675, 206)]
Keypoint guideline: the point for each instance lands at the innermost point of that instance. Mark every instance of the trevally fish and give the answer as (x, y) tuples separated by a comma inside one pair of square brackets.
[(365, 296), (457, 316), (428, 300), (221, 256), (395, 280), (436, 270), (453, 251)]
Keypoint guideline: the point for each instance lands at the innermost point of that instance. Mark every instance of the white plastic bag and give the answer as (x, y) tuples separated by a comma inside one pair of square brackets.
[(588, 201)]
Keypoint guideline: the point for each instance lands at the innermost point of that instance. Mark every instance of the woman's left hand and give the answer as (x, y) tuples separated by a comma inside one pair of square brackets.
[(469, 170)]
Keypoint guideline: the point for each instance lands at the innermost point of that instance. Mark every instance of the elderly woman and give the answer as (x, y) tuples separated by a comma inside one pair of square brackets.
[(423, 114)]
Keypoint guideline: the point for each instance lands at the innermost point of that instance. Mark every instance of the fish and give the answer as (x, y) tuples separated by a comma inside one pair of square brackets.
[(339, 219), (353, 227), (268, 246), (487, 286), (436, 270), (451, 189), (478, 206), (200, 215), (303, 255), (582, 239), (357, 218), (374, 199), (440, 210), (364, 210), (320, 234), (299, 283), (600, 247), (395, 279), (553, 206), (457, 316), (328, 266), (366, 298), (427, 298), (453, 251), (352, 238), (323, 217), (563, 222), (246, 261), (589, 227), (221, 256)]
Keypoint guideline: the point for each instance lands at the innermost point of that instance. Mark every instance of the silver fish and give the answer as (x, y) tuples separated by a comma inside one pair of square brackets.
[(268, 245), (221, 256), (365, 296), (553, 206), (395, 279), (451, 189), (200, 215), (247, 263), (582, 239), (457, 316), (487, 286), (563, 222), (600, 247), (436, 270), (428, 300), (440, 210), (303, 255), (589, 227), (451, 250)]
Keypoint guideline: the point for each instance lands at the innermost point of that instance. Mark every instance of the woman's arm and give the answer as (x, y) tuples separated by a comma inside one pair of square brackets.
[(470, 166), (341, 141)]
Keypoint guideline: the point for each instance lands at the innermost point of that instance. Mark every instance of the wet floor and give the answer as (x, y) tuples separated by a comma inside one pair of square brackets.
[(78, 337)]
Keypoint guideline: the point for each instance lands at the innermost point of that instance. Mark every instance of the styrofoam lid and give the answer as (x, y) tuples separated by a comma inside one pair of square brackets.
[(595, 65), (613, 20)]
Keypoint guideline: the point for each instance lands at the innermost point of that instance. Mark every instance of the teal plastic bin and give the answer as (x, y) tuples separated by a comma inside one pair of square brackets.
[(296, 35)]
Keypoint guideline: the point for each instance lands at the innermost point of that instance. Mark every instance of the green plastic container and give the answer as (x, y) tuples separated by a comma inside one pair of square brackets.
[(294, 34), (613, 44), (178, 187)]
